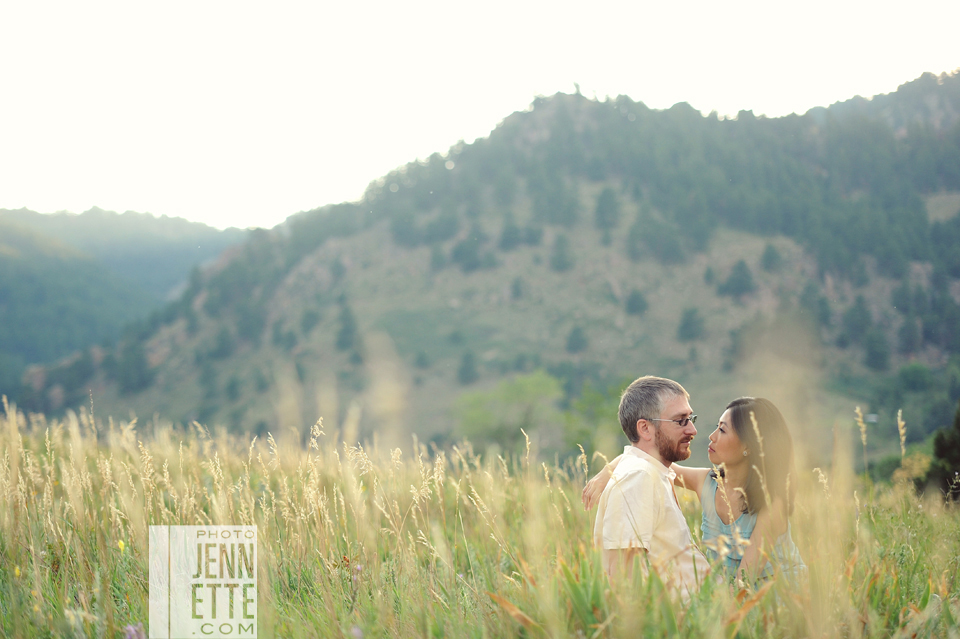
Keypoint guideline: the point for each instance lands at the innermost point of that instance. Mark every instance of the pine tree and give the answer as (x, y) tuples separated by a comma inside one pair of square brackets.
[(771, 260), (909, 336), (561, 259), (691, 325), (739, 283), (857, 321), (516, 288), (607, 216), (511, 236), (467, 373), (577, 340), (877, 349), (347, 335), (636, 303), (133, 371)]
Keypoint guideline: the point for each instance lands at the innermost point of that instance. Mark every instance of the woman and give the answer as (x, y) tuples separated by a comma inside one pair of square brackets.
[(749, 496)]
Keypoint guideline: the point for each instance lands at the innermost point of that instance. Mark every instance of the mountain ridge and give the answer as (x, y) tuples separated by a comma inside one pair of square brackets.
[(917, 101), (154, 252), (69, 281), (494, 260)]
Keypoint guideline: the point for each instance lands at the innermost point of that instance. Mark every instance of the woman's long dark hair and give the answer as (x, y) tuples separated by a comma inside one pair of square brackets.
[(772, 473)]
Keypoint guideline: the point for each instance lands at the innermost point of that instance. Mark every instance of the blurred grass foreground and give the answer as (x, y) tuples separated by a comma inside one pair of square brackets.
[(361, 542)]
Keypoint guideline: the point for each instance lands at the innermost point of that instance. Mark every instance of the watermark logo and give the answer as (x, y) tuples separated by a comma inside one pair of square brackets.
[(203, 582)]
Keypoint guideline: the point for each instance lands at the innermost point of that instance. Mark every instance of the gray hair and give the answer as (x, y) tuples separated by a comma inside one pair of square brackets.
[(645, 398)]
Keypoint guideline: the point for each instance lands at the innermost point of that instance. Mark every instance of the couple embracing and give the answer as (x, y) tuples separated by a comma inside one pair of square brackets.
[(746, 499)]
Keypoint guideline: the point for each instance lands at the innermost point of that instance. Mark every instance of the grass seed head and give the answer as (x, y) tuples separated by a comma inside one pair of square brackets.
[(902, 430)]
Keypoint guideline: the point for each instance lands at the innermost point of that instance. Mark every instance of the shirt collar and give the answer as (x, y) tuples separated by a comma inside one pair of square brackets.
[(663, 470)]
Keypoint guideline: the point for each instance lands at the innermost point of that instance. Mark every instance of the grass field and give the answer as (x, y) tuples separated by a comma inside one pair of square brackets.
[(365, 542)]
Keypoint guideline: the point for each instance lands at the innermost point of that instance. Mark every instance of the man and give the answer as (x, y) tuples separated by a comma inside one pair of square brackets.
[(638, 514)]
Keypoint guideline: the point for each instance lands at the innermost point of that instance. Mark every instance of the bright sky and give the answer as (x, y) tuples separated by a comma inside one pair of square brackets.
[(241, 113)]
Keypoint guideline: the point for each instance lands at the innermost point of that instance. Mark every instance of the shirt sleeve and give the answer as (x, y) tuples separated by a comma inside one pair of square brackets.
[(631, 511)]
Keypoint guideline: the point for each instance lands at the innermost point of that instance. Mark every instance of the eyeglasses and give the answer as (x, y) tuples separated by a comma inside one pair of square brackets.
[(683, 421)]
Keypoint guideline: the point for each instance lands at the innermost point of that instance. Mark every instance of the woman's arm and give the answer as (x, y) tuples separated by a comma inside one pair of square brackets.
[(690, 478), (771, 523), (594, 488)]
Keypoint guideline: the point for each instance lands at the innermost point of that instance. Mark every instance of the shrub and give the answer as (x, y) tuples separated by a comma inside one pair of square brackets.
[(915, 377), (945, 469)]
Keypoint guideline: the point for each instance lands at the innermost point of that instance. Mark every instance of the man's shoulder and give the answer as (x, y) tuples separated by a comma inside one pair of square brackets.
[(632, 464), (632, 474)]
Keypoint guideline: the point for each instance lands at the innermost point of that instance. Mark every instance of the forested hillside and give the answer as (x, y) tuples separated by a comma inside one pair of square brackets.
[(580, 243), (54, 301), (153, 253), (70, 282)]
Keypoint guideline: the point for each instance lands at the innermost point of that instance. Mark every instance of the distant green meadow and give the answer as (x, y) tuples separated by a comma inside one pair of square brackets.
[(361, 542)]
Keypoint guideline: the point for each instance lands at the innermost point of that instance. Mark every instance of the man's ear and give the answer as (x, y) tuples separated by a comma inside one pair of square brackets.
[(644, 430)]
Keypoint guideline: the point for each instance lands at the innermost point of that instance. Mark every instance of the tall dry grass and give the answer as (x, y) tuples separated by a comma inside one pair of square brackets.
[(355, 541)]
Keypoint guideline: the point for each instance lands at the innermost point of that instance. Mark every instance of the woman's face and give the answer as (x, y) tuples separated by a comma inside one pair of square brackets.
[(725, 446)]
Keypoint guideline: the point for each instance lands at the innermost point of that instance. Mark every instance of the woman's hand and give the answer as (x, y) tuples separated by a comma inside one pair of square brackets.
[(594, 488)]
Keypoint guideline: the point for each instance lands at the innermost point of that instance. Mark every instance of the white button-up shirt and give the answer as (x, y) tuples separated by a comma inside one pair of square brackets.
[(639, 509)]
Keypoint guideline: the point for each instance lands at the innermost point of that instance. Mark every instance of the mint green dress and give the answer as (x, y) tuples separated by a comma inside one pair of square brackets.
[(720, 539)]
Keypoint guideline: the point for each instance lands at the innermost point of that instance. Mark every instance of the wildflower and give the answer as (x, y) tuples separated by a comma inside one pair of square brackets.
[(134, 632), (120, 545), (16, 571), (356, 633)]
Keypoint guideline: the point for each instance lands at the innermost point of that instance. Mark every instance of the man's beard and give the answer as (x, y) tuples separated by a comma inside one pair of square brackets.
[(670, 451)]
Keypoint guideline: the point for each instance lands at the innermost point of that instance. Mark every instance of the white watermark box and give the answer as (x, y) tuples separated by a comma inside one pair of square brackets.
[(203, 582)]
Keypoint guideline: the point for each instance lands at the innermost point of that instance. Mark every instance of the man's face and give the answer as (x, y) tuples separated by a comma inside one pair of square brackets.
[(672, 440)]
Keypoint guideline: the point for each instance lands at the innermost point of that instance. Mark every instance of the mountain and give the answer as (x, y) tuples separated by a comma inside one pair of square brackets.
[(930, 102), (68, 282), (813, 258), (54, 300), (153, 253)]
